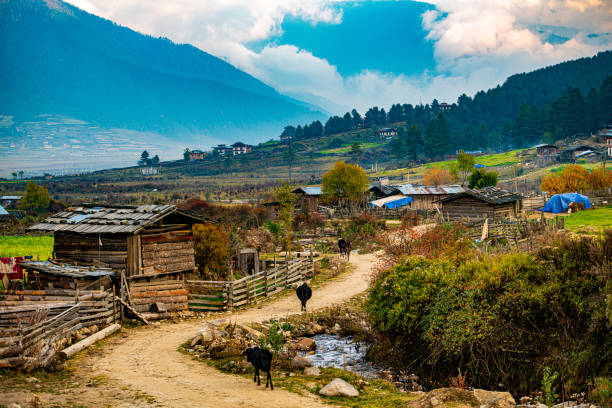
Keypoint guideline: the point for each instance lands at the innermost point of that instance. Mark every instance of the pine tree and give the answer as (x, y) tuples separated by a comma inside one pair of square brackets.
[(414, 142)]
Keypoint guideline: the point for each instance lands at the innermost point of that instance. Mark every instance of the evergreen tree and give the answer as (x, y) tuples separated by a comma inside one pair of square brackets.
[(524, 126), (356, 119), (414, 142), (144, 159), (436, 137), (186, 154)]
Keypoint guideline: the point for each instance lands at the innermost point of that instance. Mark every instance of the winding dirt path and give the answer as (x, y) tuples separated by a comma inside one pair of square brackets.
[(147, 361)]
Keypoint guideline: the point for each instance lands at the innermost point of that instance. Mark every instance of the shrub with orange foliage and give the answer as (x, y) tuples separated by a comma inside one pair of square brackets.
[(437, 176), (575, 178)]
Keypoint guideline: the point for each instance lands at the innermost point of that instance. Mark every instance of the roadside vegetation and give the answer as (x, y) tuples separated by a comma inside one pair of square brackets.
[(25, 245), (591, 221)]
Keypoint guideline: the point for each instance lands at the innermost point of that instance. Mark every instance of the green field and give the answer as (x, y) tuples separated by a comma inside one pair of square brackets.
[(599, 219), (347, 148), (24, 245)]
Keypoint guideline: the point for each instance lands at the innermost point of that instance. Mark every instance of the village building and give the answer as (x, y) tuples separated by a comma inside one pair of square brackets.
[(545, 150), (445, 106), (387, 133), (196, 155), (223, 149), (148, 246), (609, 143), (569, 154), (309, 197), (488, 202), (9, 201), (241, 148)]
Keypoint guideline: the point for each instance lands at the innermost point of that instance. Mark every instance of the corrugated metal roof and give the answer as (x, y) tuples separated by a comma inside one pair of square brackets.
[(309, 191), (9, 197), (106, 220), (413, 189), (393, 201), (3, 211), (588, 152)]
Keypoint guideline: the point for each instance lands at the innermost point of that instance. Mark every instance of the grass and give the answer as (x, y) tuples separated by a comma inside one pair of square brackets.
[(24, 245), (599, 218), (347, 148)]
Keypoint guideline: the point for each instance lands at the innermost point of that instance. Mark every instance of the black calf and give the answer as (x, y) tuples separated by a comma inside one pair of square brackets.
[(303, 293), (261, 359)]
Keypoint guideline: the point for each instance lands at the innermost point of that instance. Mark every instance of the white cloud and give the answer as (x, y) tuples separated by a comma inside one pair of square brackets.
[(477, 43)]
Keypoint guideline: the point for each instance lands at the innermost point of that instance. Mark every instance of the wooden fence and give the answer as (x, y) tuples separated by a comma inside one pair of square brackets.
[(223, 295), (516, 232)]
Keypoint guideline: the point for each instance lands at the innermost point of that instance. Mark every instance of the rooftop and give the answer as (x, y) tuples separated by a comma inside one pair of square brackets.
[(93, 219), (60, 269), (492, 195), (413, 189), (309, 191)]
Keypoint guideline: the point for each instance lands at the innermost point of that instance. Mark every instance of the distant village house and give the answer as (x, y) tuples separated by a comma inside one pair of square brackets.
[(424, 197), (445, 106), (196, 155), (546, 150), (309, 197), (569, 154), (241, 148), (387, 133), (222, 150)]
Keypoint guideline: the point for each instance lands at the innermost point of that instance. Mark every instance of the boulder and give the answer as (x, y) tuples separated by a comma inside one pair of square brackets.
[(498, 403), (336, 329), (314, 371), (305, 344), (317, 328), (300, 362), (339, 388), (206, 335), (486, 397)]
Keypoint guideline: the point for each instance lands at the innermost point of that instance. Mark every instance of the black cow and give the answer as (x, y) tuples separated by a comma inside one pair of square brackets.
[(261, 359), (345, 248), (303, 293)]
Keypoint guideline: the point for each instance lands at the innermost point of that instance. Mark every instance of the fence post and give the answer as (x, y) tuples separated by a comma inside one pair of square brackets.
[(312, 262), (287, 274), (230, 295), (265, 272)]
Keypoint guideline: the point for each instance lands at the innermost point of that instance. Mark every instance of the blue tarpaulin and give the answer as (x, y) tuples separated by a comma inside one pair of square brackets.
[(395, 201), (559, 202), (480, 166)]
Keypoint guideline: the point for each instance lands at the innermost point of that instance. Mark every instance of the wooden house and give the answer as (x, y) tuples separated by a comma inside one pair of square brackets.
[(569, 154), (424, 197), (488, 202), (141, 240), (591, 156), (309, 197), (387, 133), (196, 155), (151, 245), (241, 148), (546, 150)]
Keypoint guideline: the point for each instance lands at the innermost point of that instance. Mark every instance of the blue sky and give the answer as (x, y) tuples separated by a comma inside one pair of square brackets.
[(341, 55)]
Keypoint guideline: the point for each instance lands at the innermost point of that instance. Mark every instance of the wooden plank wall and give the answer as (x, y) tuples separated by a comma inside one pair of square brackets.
[(167, 252), (466, 208), (85, 249), (223, 295)]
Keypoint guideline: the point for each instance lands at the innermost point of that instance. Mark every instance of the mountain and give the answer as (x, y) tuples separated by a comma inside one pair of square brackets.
[(60, 60)]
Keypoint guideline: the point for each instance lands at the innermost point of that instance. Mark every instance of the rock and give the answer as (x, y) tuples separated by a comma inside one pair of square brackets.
[(317, 328), (311, 385), (252, 333), (195, 341), (498, 403), (220, 323), (314, 371), (220, 334), (14, 405), (32, 380), (336, 329), (339, 387), (305, 344), (446, 398), (300, 362), (206, 335), (485, 397)]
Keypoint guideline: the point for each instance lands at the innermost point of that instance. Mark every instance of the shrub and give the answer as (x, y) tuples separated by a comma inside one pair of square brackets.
[(437, 176), (501, 320), (481, 178), (211, 246)]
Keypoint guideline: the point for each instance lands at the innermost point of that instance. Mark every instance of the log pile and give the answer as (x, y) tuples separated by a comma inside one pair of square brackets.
[(168, 252)]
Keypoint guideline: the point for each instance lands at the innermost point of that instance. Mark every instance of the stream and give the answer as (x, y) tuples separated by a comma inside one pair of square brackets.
[(342, 352)]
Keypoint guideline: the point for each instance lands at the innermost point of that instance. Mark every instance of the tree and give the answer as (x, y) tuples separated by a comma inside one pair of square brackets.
[(186, 154), (212, 250), (289, 156), (155, 160), (36, 199), (436, 137), (345, 182), (14, 175), (481, 178), (465, 164), (144, 158), (21, 174), (286, 200), (437, 176), (600, 178), (575, 178), (414, 141), (355, 152)]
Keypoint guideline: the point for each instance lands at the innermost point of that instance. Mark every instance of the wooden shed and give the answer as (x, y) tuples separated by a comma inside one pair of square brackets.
[(151, 244), (489, 202), (309, 197)]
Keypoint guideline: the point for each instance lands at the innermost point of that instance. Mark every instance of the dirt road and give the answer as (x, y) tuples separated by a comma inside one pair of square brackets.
[(147, 361)]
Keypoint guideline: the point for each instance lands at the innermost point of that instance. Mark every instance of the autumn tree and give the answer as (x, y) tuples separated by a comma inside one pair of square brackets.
[(212, 250), (36, 199), (572, 178), (600, 178), (345, 182), (437, 176)]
